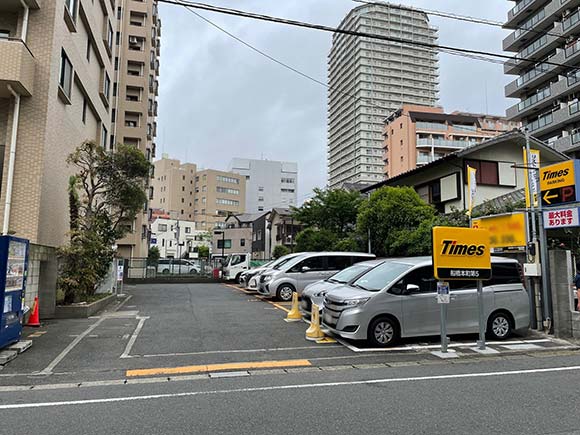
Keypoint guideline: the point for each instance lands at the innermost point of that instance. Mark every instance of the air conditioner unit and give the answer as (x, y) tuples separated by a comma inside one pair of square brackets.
[(133, 40)]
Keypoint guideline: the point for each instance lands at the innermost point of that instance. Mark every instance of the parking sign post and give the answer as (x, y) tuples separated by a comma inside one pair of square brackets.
[(481, 341), (443, 299)]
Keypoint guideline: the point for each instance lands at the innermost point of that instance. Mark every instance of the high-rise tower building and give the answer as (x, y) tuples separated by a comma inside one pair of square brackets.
[(368, 79), (546, 43)]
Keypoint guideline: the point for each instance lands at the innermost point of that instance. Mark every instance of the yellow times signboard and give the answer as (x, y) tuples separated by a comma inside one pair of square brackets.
[(558, 175), (505, 231), (461, 253)]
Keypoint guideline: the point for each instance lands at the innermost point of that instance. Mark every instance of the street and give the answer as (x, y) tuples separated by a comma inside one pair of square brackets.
[(209, 358)]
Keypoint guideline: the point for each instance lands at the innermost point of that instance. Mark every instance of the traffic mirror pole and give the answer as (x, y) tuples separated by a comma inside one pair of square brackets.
[(443, 299)]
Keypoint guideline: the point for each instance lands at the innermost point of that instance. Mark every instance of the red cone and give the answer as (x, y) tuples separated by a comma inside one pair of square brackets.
[(34, 319)]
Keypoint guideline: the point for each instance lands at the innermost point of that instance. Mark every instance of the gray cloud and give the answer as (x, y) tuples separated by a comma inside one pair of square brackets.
[(218, 99)]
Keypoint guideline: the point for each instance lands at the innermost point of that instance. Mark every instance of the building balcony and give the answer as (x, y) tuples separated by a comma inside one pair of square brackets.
[(443, 143), (17, 67), (535, 76), (539, 20), (522, 9), (535, 51), (423, 159), (16, 5)]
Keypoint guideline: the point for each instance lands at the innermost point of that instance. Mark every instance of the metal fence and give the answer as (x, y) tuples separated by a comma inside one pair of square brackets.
[(141, 268)]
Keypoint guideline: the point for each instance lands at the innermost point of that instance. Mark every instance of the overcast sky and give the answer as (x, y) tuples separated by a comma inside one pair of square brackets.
[(218, 99)]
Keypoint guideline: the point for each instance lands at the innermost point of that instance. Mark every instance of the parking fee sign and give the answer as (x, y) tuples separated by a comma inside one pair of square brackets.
[(443, 296)]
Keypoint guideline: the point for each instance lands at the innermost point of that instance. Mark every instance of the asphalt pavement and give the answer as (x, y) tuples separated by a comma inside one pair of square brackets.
[(210, 358)]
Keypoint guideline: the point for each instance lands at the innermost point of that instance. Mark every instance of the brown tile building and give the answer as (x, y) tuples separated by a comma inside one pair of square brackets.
[(417, 135), (138, 36), (206, 196)]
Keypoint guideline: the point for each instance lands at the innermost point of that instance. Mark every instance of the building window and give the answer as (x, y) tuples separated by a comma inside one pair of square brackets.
[(71, 7), (242, 242), (106, 86), (224, 244), (230, 180), (260, 208), (88, 54), (486, 171), (162, 228), (104, 136), (85, 104), (260, 188), (110, 35), (223, 201), (231, 191), (187, 230), (66, 74), (288, 180), (260, 198)]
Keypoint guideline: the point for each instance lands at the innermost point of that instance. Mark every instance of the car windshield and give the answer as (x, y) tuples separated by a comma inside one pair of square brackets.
[(381, 276), (289, 263), (282, 261), (348, 274)]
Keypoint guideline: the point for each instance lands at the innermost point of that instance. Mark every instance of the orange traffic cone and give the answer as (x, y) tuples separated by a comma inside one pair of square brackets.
[(34, 319)]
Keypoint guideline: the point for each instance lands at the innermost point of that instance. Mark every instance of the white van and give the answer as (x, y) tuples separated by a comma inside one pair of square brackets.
[(234, 265)]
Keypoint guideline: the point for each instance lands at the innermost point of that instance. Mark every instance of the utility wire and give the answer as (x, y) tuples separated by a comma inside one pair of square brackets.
[(370, 102), (457, 51)]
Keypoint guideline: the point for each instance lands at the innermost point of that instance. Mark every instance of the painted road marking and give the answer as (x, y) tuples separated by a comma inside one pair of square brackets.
[(217, 352), (262, 298), (415, 347), (50, 367), (219, 367), (133, 338), (290, 387)]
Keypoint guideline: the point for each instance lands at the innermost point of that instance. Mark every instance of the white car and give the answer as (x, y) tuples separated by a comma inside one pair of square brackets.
[(171, 266)]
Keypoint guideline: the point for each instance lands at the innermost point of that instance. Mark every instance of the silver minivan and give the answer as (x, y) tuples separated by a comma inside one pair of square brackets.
[(296, 274), (250, 278), (398, 299)]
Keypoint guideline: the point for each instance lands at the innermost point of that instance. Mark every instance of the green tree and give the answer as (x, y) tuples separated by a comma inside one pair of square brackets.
[(392, 216), (105, 195), (153, 256), (312, 239), (280, 251), (203, 251), (331, 210), (348, 244)]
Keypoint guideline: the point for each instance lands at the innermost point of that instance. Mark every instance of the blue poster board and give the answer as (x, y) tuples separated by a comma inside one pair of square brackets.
[(14, 263)]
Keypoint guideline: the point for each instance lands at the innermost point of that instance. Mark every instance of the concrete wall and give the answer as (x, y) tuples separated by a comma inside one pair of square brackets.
[(42, 275), (566, 319)]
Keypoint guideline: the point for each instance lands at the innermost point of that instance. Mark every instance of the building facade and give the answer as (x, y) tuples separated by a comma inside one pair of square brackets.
[(499, 164), (277, 227), (138, 40), (370, 78), (236, 237), (205, 197), (417, 135), (177, 239), (268, 183), (546, 66)]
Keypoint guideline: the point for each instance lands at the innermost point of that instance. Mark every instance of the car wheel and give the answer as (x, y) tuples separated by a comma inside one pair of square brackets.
[(238, 278), (192, 272), (383, 332), (499, 326), (165, 271), (285, 292)]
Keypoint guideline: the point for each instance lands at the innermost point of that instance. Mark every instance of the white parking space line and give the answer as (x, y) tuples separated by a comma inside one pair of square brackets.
[(288, 387), (415, 347), (133, 338), (218, 352)]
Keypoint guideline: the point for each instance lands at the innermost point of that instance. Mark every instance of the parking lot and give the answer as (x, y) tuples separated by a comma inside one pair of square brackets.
[(183, 329)]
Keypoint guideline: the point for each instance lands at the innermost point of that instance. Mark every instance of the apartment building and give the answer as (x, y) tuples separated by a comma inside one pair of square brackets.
[(269, 183), (205, 197), (546, 66), (138, 40), (177, 239), (417, 135), (371, 78), (56, 73)]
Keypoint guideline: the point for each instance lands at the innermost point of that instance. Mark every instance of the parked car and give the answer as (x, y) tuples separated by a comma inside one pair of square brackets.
[(296, 274), (314, 293), (173, 266), (398, 299), (246, 275), (256, 272)]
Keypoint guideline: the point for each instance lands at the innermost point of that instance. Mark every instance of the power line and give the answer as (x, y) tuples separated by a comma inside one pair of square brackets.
[(457, 51)]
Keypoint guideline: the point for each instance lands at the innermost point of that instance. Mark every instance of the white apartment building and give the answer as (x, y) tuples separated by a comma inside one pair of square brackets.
[(177, 239), (269, 183), (369, 79)]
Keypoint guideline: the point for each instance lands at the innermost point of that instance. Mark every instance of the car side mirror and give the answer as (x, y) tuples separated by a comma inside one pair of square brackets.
[(305, 269), (411, 288)]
